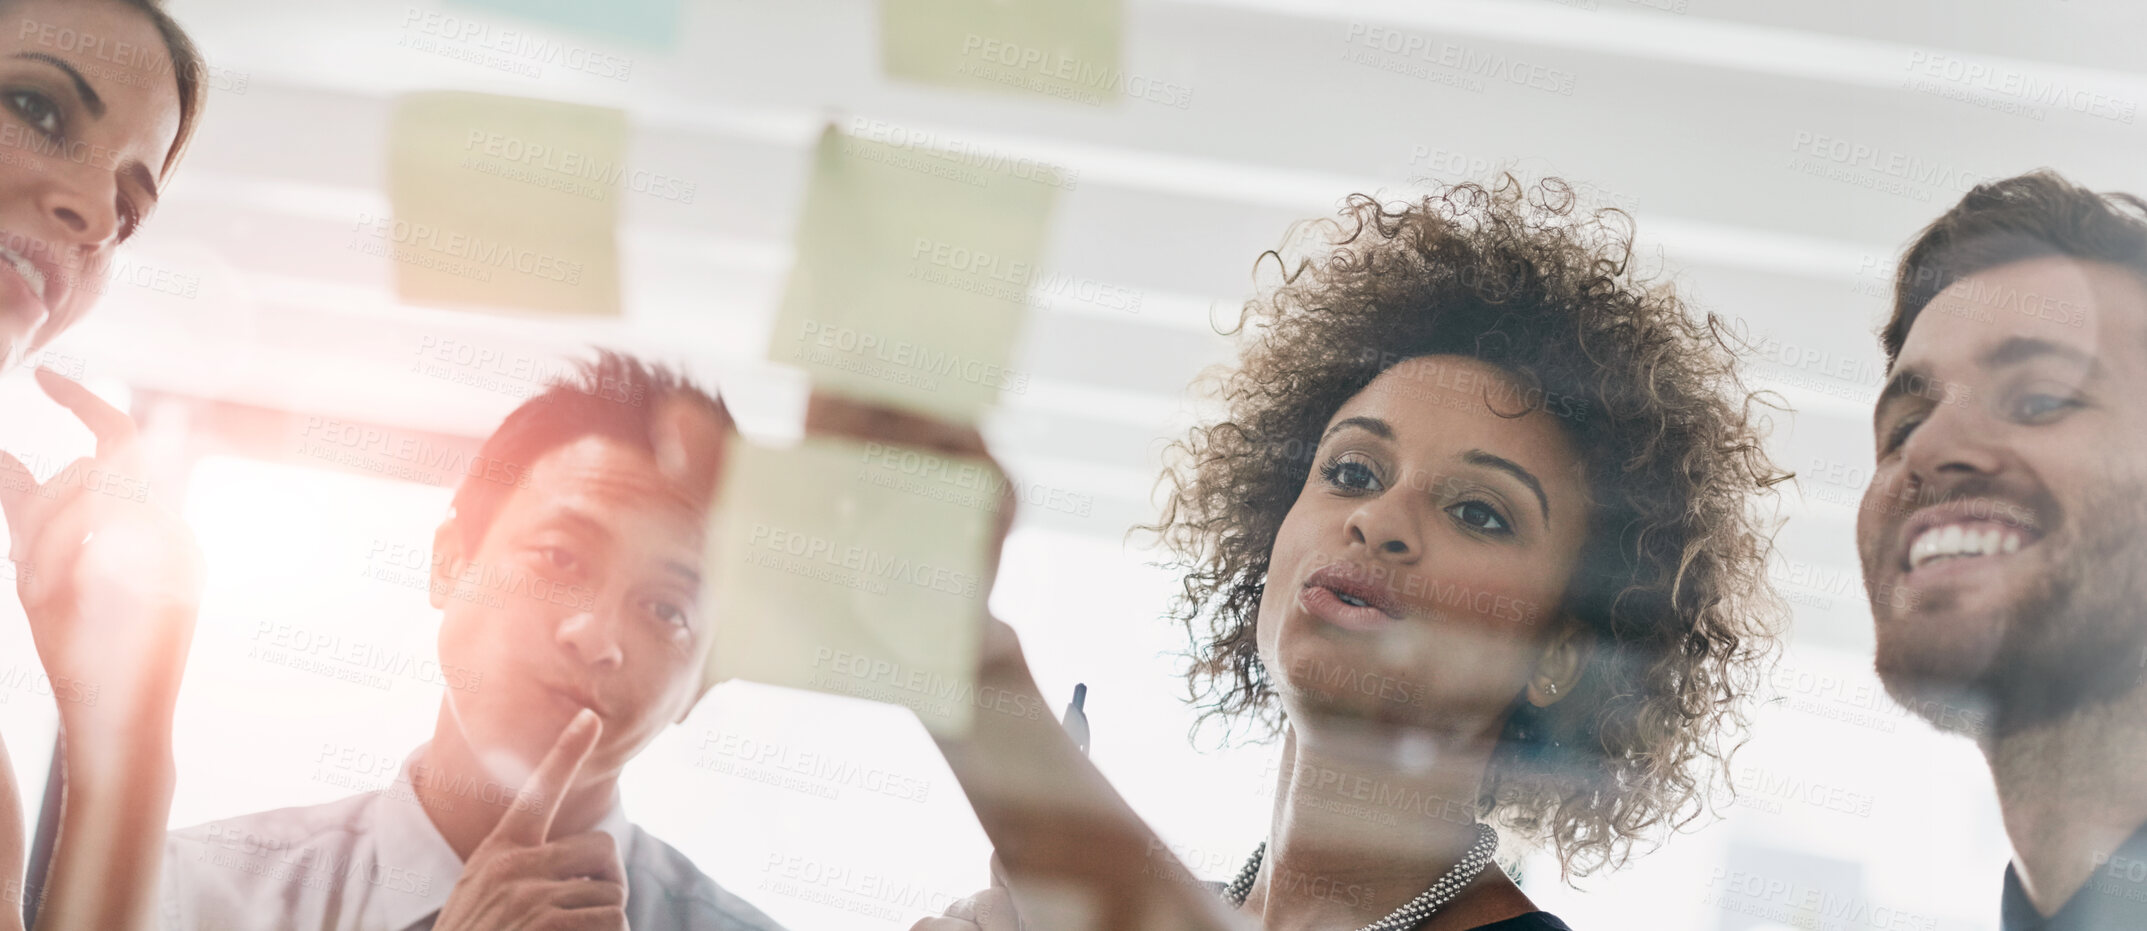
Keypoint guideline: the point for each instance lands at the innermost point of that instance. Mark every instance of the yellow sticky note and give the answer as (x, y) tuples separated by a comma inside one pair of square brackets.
[(853, 568), (502, 202), (912, 274), (1067, 49)]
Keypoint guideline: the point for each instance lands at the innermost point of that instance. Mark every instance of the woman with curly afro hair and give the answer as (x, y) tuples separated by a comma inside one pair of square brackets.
[(1480, 537)]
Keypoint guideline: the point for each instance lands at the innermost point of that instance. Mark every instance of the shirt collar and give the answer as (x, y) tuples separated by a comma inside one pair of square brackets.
[(405, 838), (2114, 896)]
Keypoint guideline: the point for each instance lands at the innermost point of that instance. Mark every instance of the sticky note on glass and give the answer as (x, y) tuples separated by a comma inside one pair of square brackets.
[(648, 22), (1068, 49), (855, 569), (502, 202), (912, 274)]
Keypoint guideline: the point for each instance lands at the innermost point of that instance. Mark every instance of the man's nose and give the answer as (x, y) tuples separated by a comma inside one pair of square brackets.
[(1951, 441), (593, 638)]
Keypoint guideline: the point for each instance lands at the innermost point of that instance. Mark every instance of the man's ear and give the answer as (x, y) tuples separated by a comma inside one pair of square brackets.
[(1564, 658), (447, 562)]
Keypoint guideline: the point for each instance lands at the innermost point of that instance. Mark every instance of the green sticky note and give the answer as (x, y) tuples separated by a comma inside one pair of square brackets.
[(1068, 49), (652, 23), (502, 202), (855, 569), (912, 274)]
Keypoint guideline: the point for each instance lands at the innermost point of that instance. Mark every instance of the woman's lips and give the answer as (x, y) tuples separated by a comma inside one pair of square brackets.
[(1325, 604)]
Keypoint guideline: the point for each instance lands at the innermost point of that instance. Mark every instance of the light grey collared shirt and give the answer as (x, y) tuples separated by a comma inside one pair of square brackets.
[(375, 862)]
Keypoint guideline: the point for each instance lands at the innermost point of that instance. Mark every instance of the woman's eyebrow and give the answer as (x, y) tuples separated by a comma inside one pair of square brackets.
[(1510, 467), (1371, 425), (90, 100)]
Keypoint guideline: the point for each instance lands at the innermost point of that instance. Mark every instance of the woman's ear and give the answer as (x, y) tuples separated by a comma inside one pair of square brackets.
[(447, 561), (1559, 669)]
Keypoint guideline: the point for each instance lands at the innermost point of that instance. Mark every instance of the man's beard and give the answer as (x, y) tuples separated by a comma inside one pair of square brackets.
[(2076, 639)]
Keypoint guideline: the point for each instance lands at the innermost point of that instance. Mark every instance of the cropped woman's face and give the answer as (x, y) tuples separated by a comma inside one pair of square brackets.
[(1422, 570), (89, 108)]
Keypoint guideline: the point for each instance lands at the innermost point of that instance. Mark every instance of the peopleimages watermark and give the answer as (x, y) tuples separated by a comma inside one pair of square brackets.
[(359, 769), (815, 773), (2010, 90), (1448, 593), (89, 474), (1816, 586), (1861, 702), (552, 167), (97, 274), (60, 363), (897, 360), (950, 157), (1065, 76), (980, 271), (1975, 297), (1876, 167), (35, 681), (875, 895), (1771, 792), (1351, 795), (1803, 905), (1854, 377), (1343, 678), (516, 375), (456, 253), (1469, 387), (1457, 65), (961, 481), (885, 680), (228, 846), (510, 50), (861, 562), (374, 449), (972, 270), (288, 643), (419, 566)]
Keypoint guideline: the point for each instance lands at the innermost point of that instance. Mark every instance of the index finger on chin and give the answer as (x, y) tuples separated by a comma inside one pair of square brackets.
[(112, 427)]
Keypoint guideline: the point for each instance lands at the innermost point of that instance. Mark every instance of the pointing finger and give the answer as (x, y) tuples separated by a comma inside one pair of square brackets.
[(529, 820), (113, 428)]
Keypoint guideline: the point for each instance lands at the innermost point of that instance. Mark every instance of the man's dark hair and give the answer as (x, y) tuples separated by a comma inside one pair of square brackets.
[(615, 396), (2031, 216)]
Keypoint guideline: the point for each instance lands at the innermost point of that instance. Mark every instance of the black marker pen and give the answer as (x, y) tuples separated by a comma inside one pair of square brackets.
[(1076, 721)]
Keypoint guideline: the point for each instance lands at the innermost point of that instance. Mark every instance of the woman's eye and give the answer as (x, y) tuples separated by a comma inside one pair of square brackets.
[(36, 109), (1480, 516), (130, 219), (1350, 475)]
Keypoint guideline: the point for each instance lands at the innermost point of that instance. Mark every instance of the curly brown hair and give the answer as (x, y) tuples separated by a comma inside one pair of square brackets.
[(1672, 582)]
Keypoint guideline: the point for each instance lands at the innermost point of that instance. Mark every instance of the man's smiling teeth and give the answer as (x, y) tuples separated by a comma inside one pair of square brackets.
[(1352, 600), (27, 269), (1953, 541)]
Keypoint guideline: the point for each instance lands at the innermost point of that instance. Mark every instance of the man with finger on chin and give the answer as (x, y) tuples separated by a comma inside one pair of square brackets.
[(567, 574), (2004, 535)]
